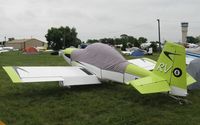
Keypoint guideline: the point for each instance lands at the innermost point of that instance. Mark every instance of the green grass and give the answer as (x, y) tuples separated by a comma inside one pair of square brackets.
[(106, 104)]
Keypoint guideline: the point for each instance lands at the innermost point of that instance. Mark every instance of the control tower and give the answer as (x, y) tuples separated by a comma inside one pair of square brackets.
[(184, 26)]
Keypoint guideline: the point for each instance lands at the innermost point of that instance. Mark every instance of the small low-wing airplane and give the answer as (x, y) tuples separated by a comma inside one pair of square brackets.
[(100, 62), (6, 49), (2, 50)]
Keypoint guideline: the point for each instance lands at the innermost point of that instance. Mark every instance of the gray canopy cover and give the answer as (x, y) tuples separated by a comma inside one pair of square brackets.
[(194, 70), (102, 56)]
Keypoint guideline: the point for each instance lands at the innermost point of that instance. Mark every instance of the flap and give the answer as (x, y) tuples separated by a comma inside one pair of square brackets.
[(150, 84)]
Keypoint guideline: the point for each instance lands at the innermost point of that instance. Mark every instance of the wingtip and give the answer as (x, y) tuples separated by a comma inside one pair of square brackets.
[(12, 74)]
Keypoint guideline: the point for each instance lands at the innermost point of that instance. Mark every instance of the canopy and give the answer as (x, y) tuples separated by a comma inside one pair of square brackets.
[(102, 56)]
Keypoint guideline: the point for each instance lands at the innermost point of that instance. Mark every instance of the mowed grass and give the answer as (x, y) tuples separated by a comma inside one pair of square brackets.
[(106, 104)]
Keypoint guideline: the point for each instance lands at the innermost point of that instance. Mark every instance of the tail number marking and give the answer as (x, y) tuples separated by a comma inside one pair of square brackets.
[(162, 67)]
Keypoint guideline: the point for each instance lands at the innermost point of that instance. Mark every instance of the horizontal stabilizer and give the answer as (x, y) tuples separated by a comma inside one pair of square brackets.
[(190, 80), (150, 84)]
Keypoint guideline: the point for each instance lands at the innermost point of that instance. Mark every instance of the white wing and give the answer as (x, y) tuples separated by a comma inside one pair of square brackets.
[(67, 75), (3, 51), (145, 63)]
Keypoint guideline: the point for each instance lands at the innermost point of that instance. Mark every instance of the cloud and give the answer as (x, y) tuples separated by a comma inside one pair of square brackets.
[(99, 18)]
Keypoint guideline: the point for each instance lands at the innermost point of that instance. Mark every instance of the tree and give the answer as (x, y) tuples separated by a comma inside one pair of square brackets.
[(125, 40), (11, 39), (191, 39), (118, 41), (133, 41), (92, 41), (63, 37), (124, 46), (129, 40), (123, 36), (198, 39), (109, 41), (154, 46), (142, 40)]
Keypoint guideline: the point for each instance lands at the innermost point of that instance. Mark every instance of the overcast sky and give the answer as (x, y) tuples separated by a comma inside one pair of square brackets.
[(99, 18)]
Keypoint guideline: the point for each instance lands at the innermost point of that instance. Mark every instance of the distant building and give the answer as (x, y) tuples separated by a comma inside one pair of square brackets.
[(21, 44)]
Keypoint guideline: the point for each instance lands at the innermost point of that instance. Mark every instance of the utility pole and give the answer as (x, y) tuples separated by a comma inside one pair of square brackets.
[(159, 34), (4, 41), (64, 40)]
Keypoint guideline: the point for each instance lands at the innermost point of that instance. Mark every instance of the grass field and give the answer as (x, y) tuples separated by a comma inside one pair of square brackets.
[(105, 104)]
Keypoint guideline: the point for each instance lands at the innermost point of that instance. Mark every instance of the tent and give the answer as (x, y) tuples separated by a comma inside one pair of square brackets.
[(194, 70), (95, 53), (137, 53), (30, 50)]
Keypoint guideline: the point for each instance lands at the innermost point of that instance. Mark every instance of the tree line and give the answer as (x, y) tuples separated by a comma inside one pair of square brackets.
[(64, 37), (124, 39), (195, 40)]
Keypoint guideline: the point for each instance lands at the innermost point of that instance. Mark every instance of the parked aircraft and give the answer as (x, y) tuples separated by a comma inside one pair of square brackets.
[(5, 49), (99, 62)]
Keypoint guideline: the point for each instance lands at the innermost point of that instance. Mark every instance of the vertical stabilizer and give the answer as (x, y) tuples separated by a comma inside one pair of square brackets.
[(171, 66)]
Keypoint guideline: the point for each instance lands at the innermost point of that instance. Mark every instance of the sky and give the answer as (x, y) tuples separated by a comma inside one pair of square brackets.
[(95, 19)]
